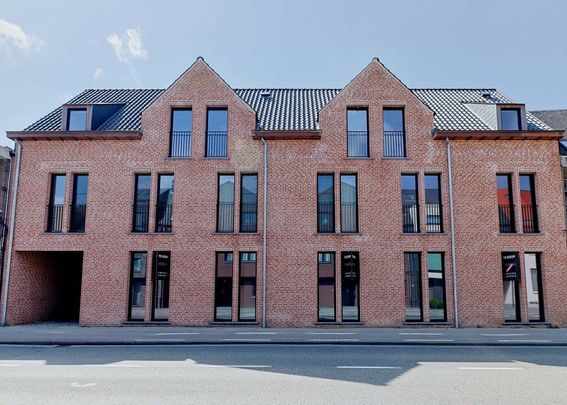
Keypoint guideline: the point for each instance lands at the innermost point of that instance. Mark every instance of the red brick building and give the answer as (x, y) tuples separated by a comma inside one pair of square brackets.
[(202, 204)]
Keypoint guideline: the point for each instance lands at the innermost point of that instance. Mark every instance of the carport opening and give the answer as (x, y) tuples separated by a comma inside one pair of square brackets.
[(67, 270)]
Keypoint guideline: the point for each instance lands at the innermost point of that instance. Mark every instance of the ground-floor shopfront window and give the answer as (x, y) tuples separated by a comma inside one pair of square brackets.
[(511, 278), (532, 268), (223, 286), (412, 265), (326, 286), (350, 281), (161, 267), (138, 267), (247, 287), (436, 279)]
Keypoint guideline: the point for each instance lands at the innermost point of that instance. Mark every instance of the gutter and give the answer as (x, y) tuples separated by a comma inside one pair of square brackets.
[(264, 229), (453, 248), (11, 235), (5, 222)]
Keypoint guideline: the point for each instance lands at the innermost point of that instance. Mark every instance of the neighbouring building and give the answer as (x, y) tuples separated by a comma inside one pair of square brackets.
[(202, 204), (5, 171)]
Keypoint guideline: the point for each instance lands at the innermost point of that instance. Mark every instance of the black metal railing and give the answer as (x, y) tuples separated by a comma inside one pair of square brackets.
[(325, 217), (506, 218), (78, 217), (349, 217), (54, 218), (357, 143), (394, 144), (141, 217), (529, 218), (434, 215), (216, 144), (180, 144), (225, 217), (164, 217), (410, 213), (248, 217)]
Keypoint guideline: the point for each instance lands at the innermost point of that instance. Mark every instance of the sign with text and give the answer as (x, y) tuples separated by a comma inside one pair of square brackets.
[(510, 266)]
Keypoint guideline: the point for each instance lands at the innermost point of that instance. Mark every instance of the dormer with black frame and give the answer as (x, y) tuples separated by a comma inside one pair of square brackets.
[(87, 117), (511, 117)]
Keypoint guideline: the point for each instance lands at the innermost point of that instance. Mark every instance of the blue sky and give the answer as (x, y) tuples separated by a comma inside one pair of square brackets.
[(51, 50)]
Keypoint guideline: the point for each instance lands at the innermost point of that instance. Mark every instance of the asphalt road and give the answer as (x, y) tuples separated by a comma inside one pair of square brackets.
[(252, 374)]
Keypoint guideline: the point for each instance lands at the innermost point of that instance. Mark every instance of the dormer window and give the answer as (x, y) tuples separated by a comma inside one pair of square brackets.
[(76, 119), (510, 119)]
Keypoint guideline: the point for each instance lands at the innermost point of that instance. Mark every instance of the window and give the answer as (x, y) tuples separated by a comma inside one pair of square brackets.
[(528, 201), (505, 203), (164, 209), (326, 286), (357, 132), (436, 280), (137, 302), (248, 202), (511, 278), (349, 203), (433, 208), (532, 267), (247, 287), (141, 214), (79, 203), (76, 119), (394, 132), (510, 119), (410, 206), (160, 310), (180, 137), (225, 203), (56, 203), (217, 129), (412, 265), (325, 203), (350, 281), (223, 286)]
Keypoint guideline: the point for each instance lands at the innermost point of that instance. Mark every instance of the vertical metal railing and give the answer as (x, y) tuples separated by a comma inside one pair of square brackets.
[(225, 217), (78, 217), (506, 218), (434, 217), (248, 217), (357, 143), (325, 217), (164, 217), (394, 144), (216, 144), (180, 144), (529, 218), (410, 213), (349, 217), (141, 217), (54, 218)]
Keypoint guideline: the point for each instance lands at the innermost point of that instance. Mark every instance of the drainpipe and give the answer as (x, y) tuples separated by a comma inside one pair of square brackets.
[(4, 220), (452, 218), (264, 229), (11, 234)]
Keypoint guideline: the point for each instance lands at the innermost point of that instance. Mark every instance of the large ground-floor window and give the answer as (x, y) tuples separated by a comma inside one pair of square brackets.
[(532, 268), (161, 267), (247, 287), (138, 267), (350, 282), (511, 279), (436, 279), (412, 271), (223, 286), (326, 286)]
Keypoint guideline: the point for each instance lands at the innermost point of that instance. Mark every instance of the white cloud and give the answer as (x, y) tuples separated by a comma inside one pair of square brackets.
[(98, 73), (13, 36), (128, 46)]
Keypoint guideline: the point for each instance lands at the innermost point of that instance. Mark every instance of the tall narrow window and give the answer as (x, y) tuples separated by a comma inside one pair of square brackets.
[(510, 119), (505, 203), (326, 285), (223, 287), (325, 203), (247, 287), (410, 206), (76, 119), (433, 207), (138, 268), (532, 267), (528, 201), (160, 310), (180, 137), (164, 209), (350, 281), (412, 264), (56, 203), (141, 211), (511, 279), (436, 279), (79, 203), (349, 203), (217, 130), (394, 132), (225, 203), (357, 132), (248, 202)]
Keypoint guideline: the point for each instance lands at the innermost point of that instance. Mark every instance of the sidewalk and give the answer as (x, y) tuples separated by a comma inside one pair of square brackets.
[(72, 334)]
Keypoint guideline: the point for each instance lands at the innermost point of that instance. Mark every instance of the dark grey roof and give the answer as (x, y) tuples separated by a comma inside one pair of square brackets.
[(556, 119), (290, 109)]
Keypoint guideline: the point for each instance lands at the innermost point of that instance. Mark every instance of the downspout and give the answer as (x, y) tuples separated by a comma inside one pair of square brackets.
[(4, 220), (452, 219), (11, 234), (264, 229)]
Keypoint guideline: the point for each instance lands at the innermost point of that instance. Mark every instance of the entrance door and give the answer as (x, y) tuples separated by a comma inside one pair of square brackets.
[(160, 310), (350, 286)]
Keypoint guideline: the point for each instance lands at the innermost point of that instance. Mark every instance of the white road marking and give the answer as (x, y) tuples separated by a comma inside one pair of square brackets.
[(176, 333), (503, 334), (490, 368), (332, 333), (113, 365), (233, 366), (524, 340), (161, 340), (247, 340), (85, 385), (429, 340), (10, 365), (256, 333), (422, 333), (334, 340), (369, 367)]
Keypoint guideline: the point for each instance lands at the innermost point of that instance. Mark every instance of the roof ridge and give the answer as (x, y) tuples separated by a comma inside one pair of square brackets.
[(455, 88)]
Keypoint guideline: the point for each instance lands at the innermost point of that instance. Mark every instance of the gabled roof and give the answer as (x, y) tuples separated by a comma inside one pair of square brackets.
[(556, 119)]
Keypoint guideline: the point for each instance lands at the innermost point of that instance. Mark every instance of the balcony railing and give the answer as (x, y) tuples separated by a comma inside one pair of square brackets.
[(225, 217), (248, 217), (410, 213), (349, 218), (180, 144), (78, 217), (141, 218), (506, 218), (357, 143), (325, 218), (164, 217), (529, 219), (216, 144), (394, 144), (54, 218), (433, 213)]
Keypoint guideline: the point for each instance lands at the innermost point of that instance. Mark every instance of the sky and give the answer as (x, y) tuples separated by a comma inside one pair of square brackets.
[(51, 50)]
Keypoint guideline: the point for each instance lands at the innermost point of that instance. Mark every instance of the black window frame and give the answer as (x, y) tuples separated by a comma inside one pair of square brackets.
[(78, 225), (356, 230), (154, 284), (443, 273), (55, 212), (217, 253), (189, 134), (359, 108), (418, 288), (511, 208), (357, 253), (518, 310), (403, 131), (334, 256), (242, 212), (540, 289), (130, 285), (240, 284), (145, 229), (219, 175), (166, 228), (416, 228), (427, 205), (333, 214), (207, 155), (532, 209)]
